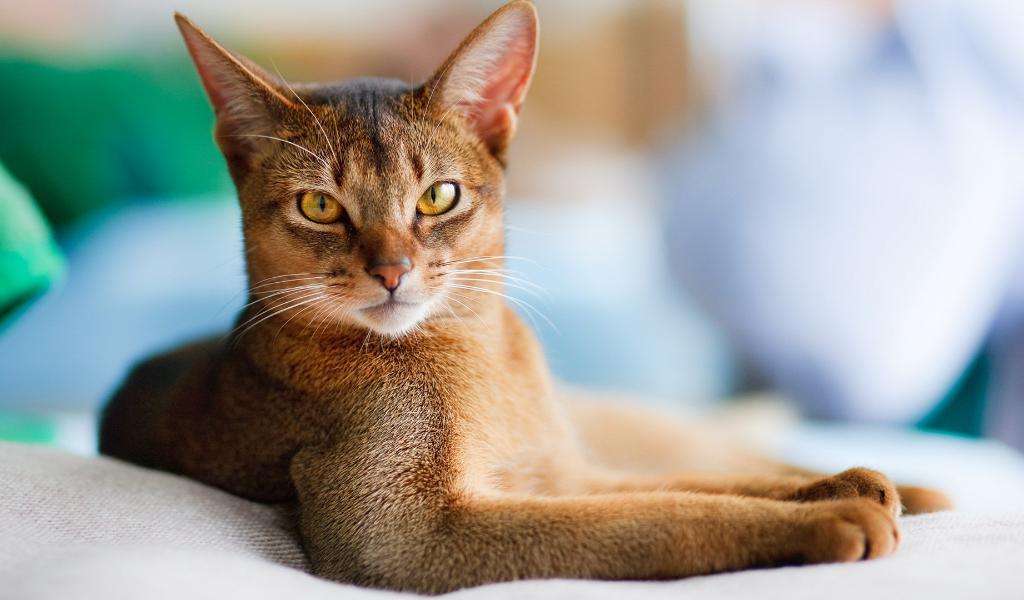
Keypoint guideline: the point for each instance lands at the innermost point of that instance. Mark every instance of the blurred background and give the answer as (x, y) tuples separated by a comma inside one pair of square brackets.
[(818, 199)]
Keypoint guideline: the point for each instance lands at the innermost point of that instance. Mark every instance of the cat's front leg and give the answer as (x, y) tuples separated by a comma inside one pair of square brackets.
[(914, 499), (415, 527), (858, 482)]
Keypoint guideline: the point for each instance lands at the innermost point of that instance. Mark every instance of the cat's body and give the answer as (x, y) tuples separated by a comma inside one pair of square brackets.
[(254, 410), (379, 380)]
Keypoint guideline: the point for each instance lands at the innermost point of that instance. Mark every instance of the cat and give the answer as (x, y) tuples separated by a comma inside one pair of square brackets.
[(379, 382)]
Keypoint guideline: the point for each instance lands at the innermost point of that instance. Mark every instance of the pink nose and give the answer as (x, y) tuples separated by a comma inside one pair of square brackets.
[(390, 275)]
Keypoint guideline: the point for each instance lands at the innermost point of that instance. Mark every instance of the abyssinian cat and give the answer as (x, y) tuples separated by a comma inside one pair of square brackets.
[(378, 380)]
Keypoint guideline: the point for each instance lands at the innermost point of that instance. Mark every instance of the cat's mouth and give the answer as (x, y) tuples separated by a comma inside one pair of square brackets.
[(391, 304), (393, 317)]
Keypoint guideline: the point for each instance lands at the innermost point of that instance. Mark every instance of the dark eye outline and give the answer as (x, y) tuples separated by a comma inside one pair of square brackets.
[(341, 213), (455, 200)]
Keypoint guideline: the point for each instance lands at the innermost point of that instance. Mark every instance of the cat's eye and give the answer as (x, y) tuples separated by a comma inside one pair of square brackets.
[(320, 208), (439, 199)]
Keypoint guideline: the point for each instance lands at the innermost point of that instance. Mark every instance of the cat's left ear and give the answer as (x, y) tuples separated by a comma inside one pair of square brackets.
[(487, 77)]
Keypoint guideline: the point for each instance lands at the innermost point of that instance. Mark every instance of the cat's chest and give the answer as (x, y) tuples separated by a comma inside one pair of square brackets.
[(477, 392)]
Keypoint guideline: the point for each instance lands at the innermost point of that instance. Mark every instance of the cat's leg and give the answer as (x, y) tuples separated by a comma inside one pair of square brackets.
[(919, 500), (914, 499), (416, 528), (858, 482), (633, 438)]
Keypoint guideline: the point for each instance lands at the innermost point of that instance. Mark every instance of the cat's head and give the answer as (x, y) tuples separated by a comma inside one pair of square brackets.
[(365, 202)]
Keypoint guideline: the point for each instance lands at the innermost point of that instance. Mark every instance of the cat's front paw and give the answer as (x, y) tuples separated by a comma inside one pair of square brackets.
[(853, 483), (848, 530)]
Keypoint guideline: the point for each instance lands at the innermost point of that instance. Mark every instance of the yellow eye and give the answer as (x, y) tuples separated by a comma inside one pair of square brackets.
[(320, 208), (439, 199)]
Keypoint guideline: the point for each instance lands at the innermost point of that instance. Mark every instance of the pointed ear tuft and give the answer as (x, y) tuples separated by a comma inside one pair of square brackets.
[(246, 99), (487, 77)]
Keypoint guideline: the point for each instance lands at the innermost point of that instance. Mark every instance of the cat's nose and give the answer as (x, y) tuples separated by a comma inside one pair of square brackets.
[(390, 275)]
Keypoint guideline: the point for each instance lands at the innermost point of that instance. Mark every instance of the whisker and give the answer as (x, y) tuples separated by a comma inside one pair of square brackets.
[(280, 279), (274, 305), (283, 305), (362, 347), (289, 276), (452, 296), (485, 259), (522, 229), (251, 291), (313, 304), (503, 272), (526, 306), (292, 306), (499, 273), (328, 318), (269, 287), (486, 270), (315, 118), (258, 296), (301, 288), (532, 292), (455, 316), (303, 148), (433, 89), (316, 316), (444, 116), (437, 83)]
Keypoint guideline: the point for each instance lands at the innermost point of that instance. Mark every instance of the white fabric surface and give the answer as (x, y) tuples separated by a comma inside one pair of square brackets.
[(53, 502), (982, 476), (75, 527)]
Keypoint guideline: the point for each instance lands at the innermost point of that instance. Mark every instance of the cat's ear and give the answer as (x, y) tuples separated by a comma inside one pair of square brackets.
[(248, 101), (487, 77)]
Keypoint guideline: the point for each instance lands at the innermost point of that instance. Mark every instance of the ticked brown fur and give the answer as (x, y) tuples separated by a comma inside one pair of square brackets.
[(418, 429)]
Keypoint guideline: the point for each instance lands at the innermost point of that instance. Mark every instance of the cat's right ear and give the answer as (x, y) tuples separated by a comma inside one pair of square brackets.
[(247, 100)]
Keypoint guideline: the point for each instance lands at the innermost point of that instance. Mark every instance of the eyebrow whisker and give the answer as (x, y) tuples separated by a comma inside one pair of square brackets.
[(303, 148)]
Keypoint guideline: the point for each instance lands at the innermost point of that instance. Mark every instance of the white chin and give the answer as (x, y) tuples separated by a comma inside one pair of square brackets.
[(393, 319)]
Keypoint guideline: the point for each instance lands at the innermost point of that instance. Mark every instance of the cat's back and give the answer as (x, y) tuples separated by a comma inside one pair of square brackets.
[(129, 420), (207, 412)]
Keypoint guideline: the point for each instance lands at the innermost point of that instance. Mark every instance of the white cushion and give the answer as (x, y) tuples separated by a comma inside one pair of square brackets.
[(84, 528)]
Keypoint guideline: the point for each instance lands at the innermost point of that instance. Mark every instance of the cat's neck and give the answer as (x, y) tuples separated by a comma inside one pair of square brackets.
[(333, 364)]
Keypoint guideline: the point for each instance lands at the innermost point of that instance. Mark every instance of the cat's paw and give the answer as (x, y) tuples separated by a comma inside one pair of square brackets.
[(919, 500), (853, 483), (849, 530)]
